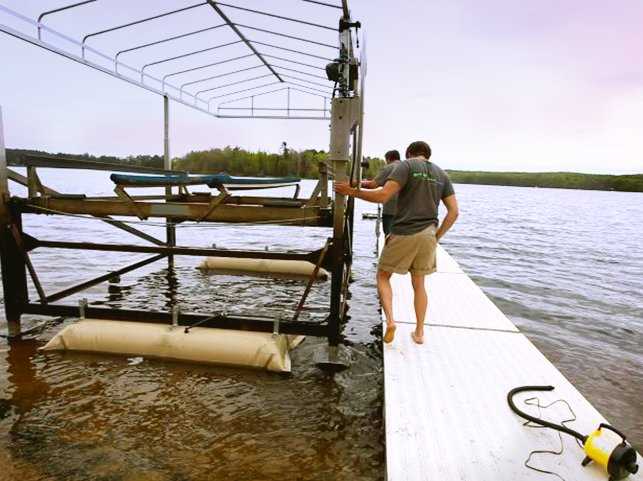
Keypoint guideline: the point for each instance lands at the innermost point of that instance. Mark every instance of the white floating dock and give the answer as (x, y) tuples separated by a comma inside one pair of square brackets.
[(446, 412)]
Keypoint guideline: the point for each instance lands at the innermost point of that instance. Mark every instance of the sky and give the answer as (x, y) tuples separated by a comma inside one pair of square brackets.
[(536, 85)]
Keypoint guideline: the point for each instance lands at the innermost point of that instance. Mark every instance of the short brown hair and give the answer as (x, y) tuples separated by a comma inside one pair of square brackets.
[(392, 155), (417, 149)]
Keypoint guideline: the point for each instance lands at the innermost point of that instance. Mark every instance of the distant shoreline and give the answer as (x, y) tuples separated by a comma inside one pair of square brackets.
[(556, 180), (304, 164)]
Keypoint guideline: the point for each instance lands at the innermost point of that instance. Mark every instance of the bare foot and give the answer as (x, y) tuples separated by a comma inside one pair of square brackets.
[(390, 333), (417, 339)]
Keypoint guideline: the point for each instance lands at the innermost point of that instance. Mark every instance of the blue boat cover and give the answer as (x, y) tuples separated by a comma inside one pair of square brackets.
[(214, 181)]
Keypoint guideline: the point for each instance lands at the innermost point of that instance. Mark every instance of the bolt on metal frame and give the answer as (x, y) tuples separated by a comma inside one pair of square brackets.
[(346, 127)]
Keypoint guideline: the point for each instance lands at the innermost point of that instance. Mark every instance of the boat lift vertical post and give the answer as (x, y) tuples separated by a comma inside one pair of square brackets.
[(339, 145), (167, 165), (14, 271), (4, 179), (345, 115)]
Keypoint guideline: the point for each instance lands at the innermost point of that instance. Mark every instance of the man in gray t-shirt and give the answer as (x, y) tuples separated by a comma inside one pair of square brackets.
[(423, 185), (411, 247), (390, 208)]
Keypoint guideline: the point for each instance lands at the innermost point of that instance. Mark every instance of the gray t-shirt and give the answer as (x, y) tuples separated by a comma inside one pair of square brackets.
[(423, 184), (390, 207)]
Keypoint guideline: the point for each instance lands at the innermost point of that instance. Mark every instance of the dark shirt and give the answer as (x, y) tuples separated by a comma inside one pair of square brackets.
[(423, 185), (390, 207)]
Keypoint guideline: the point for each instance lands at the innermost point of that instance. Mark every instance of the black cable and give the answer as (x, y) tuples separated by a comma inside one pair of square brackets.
[(534, 401), (535, 420)]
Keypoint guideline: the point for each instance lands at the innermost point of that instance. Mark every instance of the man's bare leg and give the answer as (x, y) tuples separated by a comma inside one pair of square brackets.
[(420, 302), (386, 298)]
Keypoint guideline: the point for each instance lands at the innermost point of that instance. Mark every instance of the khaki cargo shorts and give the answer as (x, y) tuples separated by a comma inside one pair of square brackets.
[(413, 253)]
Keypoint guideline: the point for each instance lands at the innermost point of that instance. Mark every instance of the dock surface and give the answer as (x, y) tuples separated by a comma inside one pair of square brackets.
[(446, 412)]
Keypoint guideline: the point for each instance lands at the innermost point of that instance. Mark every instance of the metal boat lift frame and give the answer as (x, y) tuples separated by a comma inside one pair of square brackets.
[(345, 154)]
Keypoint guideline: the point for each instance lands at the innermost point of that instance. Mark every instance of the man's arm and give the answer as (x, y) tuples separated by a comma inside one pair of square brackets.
[(451, 204), (369, 184), (377, 196)]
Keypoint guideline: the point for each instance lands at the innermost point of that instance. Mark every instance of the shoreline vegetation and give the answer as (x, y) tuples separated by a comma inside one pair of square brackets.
[(304, 163)]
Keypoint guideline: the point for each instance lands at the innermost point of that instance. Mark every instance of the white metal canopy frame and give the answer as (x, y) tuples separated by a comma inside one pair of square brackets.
[(295, 62), (286, 62)]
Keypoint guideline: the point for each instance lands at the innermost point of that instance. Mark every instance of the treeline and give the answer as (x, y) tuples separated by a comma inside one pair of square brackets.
[(561, 180), (290, 162), (237, 161)]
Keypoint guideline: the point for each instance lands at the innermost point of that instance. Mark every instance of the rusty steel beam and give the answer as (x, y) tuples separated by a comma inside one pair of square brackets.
[(194, 197), (22, 180), (16, 231), (220, 321), (4, 179), (14, 275), (33, 243), (178, 211), (265, 201), (311, 280), (55, 162), (97, 280), (205, 197)]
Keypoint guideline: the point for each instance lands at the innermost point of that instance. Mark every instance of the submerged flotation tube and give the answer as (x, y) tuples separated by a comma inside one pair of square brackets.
[(201, 344), (287, 268)]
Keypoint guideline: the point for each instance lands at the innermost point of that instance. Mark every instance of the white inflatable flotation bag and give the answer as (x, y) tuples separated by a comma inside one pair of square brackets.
[(289, 268), (201, 344)]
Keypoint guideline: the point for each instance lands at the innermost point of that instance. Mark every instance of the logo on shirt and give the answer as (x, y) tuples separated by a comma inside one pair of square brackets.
[(425, 176)]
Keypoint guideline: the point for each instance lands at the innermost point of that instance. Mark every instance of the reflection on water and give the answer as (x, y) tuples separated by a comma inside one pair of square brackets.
[(97, 417), (571, 280), (78, 416), (567, 267)]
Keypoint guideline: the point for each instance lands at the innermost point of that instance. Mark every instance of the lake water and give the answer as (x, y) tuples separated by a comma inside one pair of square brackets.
[(566, 266)]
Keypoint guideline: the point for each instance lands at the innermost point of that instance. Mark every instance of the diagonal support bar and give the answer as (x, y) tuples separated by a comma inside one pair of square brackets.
[(215, 202), (15, 232), (311, 280), (21, 179), (97, 280), (125, 197), (242, 37)]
